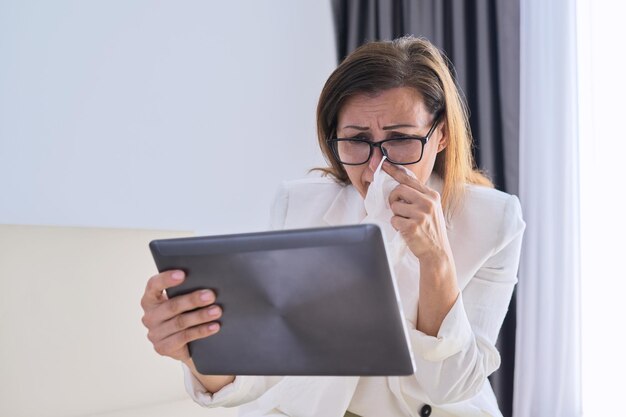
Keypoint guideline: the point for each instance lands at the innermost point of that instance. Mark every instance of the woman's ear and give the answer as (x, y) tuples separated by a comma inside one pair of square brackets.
[(443, 139)]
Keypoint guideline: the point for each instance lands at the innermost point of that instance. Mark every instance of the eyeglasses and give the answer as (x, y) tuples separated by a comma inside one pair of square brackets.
[(403, 150)]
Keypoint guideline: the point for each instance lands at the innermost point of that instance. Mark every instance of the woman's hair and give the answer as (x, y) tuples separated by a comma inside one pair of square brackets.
[(404, 62)]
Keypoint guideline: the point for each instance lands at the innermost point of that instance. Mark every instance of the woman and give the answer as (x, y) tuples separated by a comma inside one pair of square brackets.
[(461, 243)]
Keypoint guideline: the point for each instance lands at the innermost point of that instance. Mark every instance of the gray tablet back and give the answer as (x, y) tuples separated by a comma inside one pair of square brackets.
[(295, 302)]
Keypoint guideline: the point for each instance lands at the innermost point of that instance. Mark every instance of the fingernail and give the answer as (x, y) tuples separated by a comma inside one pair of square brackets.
[(178, 275), (213, 327), (205, 295), (213, 311)]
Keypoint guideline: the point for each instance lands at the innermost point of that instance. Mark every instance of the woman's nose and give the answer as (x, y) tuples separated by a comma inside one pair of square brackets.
[(374, 161)]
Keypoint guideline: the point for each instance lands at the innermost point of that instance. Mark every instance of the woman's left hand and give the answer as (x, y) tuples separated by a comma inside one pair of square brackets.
[(418, 216)]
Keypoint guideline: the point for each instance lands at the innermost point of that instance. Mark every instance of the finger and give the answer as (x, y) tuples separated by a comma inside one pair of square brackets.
[(405, 193), (153, 294), (174, 343), (406, 226), (401, 175), (405, 198), (185, 321), (182, 304), (403, 209)]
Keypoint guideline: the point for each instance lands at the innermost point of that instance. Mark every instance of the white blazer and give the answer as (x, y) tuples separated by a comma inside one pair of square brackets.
[(485, 235)]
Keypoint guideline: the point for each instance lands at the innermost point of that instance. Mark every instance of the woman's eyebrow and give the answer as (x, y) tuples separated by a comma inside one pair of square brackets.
[(362, 128), (392, 127), (400, 126)]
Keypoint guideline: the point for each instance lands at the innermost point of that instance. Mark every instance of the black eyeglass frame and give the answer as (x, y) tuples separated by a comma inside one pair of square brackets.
[(424, 139)]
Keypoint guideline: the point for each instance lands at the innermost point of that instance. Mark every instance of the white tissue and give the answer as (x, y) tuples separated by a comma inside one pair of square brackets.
[(379, 212), (401, 259)]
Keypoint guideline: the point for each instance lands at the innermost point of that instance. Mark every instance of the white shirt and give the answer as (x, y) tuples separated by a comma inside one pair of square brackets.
[(485, 235)]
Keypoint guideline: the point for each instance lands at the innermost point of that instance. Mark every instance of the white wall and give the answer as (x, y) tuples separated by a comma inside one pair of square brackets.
[(157, 114)]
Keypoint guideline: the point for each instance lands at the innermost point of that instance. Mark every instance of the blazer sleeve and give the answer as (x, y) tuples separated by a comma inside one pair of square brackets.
[(242, 390), (454, 365)]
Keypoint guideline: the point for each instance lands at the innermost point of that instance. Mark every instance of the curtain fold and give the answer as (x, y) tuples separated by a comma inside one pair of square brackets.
[(481, 39), (547, 378)]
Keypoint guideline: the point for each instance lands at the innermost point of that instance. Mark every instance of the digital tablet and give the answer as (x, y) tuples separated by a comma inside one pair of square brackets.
[(295, 302)]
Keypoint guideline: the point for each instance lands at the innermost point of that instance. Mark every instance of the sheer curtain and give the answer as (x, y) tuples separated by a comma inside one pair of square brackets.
[(602, 88), (547, 375)]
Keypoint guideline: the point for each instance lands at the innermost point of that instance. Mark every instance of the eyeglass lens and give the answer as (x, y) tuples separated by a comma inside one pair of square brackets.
[(400, 151)]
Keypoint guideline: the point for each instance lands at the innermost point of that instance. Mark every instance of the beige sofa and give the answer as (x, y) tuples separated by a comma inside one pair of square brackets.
[(71, 338)]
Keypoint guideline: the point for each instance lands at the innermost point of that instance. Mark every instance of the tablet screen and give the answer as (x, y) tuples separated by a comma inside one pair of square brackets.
[(295, 302)]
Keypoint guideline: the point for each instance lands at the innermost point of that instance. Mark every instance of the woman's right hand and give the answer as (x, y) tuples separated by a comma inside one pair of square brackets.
[(172, 323)]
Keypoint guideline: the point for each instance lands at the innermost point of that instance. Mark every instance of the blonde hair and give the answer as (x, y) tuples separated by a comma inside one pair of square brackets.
[(405, 62)]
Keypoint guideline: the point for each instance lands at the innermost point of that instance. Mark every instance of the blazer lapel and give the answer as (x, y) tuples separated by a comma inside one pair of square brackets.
[(346, 208)]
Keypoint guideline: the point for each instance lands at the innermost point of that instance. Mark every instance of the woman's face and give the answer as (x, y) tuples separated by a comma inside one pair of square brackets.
[(392, 113)]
